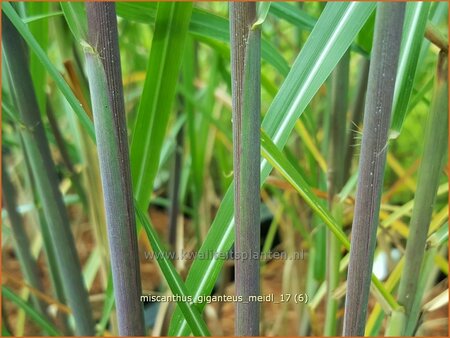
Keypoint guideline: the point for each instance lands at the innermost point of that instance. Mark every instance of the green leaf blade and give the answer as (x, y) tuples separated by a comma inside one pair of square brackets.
[(75, 15), (172, 21), (176, 284), (39, 29), (416, 17), (262, 11), (30, 311)]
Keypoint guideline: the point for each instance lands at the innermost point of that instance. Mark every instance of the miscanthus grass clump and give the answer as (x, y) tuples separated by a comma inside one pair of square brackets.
[(151, 149)]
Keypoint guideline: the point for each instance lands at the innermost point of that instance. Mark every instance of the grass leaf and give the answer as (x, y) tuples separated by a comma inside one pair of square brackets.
[(51, 69), (176, 284), (436, 132), (39, 29), (263, 10), (34, 315), (158, 95), (416, 16), (75, 15)]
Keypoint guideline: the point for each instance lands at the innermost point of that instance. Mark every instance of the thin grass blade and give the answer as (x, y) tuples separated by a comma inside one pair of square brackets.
[(274, 156), (22, 244), (75, 15), (38, 318), (171, 28), (262, 11), (39, 29), (176, 284), (436, 132), (416, 17)]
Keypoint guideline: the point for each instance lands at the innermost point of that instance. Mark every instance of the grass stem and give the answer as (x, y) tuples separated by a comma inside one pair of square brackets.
[(105, 80), (246, 97), (377, 116)]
